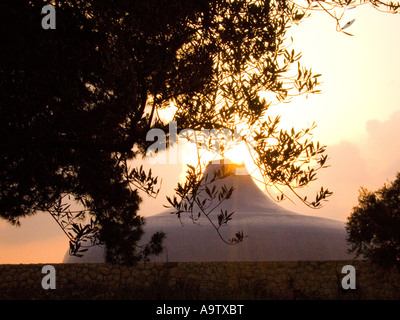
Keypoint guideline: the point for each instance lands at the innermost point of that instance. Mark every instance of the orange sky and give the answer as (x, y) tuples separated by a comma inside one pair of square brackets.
[(358, 117)]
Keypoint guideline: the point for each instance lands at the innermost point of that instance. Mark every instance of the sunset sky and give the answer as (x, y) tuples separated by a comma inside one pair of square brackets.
[(357, 113)]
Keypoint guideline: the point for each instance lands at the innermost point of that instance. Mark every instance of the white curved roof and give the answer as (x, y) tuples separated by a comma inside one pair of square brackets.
[(272, 232)]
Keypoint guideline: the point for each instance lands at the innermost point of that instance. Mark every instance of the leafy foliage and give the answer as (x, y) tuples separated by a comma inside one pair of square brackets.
[(251, 59), (337, 9), (73, 105), (199, 196), (76, 104), (374, 225)]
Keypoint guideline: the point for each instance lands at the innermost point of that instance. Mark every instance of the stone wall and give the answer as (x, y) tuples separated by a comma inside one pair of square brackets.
[(213, 280)]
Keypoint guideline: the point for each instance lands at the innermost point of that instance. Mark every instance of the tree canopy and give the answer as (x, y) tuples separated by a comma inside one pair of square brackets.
[(373, 226), (76, 104)]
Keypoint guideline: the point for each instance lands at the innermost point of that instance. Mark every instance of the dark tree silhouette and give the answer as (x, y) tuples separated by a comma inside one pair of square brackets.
[(373, 226), (73, 106), (76, 104)]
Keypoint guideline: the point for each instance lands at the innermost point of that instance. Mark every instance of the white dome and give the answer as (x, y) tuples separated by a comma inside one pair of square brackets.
[(272, 233)]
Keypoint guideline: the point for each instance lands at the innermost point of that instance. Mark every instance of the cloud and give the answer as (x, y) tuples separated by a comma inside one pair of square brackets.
[(382, 149), (348, 172), (368, 163)]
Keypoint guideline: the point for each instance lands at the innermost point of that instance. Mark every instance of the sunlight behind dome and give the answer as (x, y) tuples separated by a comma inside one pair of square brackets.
[(271, 232)]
